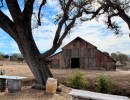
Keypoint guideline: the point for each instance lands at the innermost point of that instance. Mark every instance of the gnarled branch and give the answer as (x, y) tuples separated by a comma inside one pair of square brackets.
[(14, 9), (63, 20), (28, 10), (109, 20), (7, 25), (39, 12)]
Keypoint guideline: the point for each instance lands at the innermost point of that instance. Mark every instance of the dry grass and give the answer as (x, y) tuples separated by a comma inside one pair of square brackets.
[(13, 68), (120, 78)]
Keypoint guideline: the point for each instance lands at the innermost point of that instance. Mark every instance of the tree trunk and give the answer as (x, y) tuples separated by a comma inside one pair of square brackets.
[(31, 55)]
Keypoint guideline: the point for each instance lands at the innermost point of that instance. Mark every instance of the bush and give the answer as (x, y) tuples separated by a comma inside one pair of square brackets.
[(104, 84), (1, 58), (77, 80)]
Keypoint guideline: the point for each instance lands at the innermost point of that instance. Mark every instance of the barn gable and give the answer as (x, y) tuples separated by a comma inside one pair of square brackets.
[(78, 48), (77, 43), (82, 54)]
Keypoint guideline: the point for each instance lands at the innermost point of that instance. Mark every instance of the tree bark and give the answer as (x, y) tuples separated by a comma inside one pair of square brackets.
[(31, 54), (20, 30), (125, 17)]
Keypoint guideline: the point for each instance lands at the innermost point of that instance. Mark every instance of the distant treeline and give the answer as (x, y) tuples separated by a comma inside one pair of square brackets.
[(118, 56), (14, 57)]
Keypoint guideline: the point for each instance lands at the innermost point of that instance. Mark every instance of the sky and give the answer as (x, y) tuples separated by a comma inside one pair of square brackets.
[(92, 31)]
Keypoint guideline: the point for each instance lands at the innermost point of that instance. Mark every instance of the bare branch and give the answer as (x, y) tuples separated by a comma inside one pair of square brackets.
[(39, 12), (97, 11), (109, 20), (7, 25), (65, 17), (67, 29)]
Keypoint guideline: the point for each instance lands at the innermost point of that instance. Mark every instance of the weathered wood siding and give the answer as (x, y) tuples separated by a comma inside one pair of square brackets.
[(89, 56), (83, 50), (57, 61), (104, 61)]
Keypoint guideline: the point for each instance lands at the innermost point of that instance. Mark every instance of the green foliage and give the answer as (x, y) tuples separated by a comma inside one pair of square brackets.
[(114, 56), (77, 80), (123, 58), (120, 57), (2, 56), (16, 56), (103, 84), (6, 56)]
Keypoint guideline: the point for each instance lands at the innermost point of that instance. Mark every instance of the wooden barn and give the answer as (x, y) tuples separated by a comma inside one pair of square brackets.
[(81, 54)]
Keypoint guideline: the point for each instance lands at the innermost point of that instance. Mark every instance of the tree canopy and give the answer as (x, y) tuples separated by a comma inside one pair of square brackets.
[(114, 8), (120, 57)]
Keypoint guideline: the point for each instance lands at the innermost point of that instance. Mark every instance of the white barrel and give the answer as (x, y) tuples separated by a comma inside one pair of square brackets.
[(51, 85)]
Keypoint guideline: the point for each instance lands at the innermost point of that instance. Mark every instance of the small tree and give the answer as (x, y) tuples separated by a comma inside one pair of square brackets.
[(6, 56), (123, 58), (77, 80), (2, 56), (119, 57), (114, 56)]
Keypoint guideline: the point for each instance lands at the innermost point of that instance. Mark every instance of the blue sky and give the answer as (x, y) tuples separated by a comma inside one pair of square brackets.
[(92, 31)]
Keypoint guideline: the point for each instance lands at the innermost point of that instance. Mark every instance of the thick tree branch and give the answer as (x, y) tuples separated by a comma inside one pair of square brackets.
[(71, 24), (28, 10), (67, 29), (7, 25), (63, 20), (50, 51), (59, 42), (14, 9), (125, 17)]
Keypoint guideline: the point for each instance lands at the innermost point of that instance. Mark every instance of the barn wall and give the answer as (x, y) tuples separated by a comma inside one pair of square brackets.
[(57, 61), (82, 50), (104, 61), (89, 56)]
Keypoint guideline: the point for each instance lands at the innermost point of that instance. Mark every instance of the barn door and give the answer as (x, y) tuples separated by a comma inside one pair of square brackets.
[(75, 63)]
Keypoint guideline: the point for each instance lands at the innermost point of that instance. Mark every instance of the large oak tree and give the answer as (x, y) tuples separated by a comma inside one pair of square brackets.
[(19, 28)]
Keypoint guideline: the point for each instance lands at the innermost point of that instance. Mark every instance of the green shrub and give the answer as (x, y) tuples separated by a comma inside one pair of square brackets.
[(103, 84), (1, 58), (77, 80)]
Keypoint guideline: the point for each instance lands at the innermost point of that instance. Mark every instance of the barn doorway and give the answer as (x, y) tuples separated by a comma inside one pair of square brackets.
[(75, 63)]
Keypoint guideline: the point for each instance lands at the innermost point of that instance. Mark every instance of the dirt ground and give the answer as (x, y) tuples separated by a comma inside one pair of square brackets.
[(120, 78), (27, 93), (32, 94)]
